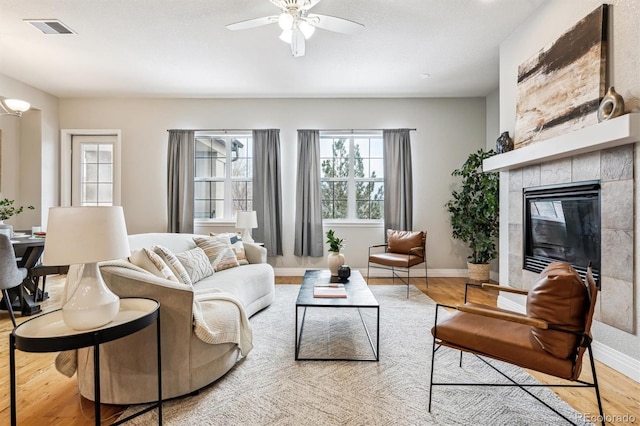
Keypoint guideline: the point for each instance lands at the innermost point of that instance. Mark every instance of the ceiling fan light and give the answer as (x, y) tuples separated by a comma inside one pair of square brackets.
[(17, 105), (307, 29), (286, 36), (285, 21)]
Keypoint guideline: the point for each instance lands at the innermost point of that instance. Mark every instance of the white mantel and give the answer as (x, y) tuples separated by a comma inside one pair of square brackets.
[(607, 134)]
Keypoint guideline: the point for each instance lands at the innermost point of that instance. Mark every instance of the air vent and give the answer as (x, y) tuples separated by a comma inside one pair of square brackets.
[(50, 26)]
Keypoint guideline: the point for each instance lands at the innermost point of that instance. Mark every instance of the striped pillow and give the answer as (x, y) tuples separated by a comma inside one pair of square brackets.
[(219, 251), (196, 263), (237, 245), (174, 264), (149, 261)]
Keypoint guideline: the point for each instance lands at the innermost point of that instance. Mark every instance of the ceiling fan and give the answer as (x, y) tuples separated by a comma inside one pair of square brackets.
[(298, 24)]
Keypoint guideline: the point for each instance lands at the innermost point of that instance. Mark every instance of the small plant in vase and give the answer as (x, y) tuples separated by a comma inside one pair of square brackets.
[(335, 258), (7, 211)]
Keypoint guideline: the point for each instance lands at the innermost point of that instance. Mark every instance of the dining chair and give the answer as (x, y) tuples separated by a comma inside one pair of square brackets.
[(10, 275)]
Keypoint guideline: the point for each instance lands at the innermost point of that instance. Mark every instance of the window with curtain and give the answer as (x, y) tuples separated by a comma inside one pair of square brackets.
[(352, 175), (223, 174)]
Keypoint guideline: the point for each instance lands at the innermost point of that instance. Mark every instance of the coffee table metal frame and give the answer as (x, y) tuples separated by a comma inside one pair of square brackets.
[(359, 296), (48, 333)]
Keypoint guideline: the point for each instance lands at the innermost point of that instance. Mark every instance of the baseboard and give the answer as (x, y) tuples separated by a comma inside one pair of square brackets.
[(620, 362), (379, 273)]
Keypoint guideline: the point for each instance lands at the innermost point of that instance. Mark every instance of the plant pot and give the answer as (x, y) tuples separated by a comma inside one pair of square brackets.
[(478, 271), (334, 260)]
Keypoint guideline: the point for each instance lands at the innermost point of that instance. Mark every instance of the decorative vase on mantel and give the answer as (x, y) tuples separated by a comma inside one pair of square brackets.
[(612, 105), (334, 261), (504, 143), (6, 229)]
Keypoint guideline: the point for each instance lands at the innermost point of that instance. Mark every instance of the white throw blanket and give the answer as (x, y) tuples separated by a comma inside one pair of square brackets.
[(218, 317)]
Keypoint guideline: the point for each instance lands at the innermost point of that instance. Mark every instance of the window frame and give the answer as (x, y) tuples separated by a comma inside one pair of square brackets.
[(351, 136), (228, 180)]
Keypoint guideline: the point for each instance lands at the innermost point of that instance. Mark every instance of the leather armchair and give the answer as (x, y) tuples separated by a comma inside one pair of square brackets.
[(403, 250), (551, 337)]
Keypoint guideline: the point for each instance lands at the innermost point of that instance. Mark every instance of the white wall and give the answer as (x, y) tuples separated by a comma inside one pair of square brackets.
[(447, 131), (550, 21), (30, 152), (493, 118)]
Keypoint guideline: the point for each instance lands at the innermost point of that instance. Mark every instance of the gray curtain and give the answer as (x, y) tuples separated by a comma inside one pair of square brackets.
[(398, 181), (267, 189), (308, 236), (180, 181)]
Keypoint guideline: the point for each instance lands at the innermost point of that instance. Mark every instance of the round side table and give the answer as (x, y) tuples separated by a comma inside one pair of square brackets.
[(49, 333)]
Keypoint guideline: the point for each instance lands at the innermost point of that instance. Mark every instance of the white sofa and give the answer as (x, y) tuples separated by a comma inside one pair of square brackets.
[(128, 365)]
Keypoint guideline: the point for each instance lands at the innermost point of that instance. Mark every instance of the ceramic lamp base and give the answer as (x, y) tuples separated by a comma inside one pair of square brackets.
[(92, 304)]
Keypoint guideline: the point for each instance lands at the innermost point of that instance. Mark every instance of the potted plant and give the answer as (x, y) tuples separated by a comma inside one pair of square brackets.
[(7, 211), (474, 210), (335, 258)]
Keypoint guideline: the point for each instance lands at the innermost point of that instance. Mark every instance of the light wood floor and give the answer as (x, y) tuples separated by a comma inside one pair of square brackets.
[(45, 397)]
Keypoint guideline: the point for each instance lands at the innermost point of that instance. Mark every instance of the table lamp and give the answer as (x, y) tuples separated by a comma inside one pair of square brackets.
[(87, 235), (246, 221)]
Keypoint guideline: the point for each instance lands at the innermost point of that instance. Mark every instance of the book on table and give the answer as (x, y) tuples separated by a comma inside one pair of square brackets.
[(329, 291)]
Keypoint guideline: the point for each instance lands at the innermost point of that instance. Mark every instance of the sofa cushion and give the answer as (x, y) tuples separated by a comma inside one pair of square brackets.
[(196, 263), (150, 261), (403, 241), (237, 245), (219, 251), (560, 298), (174, 264)]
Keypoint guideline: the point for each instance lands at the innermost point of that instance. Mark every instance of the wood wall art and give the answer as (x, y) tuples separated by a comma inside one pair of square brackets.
[(560, 88)]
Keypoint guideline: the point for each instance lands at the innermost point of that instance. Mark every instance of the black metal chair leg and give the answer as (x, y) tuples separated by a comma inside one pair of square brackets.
[(7, 302), (595, 384)]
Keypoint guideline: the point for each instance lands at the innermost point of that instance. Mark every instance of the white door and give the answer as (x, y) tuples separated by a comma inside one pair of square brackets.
[(95, 170)]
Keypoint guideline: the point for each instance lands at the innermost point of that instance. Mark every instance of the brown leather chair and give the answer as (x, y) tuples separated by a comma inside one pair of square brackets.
[(403, 250), (551, 338)]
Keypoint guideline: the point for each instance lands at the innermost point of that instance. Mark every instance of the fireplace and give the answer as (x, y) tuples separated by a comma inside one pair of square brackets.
[(562, 223)]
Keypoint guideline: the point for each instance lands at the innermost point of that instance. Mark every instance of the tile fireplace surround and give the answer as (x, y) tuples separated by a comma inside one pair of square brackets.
[(602, 152)]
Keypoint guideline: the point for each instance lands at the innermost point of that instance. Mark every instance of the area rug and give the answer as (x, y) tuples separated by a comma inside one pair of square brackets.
[(270, 388)]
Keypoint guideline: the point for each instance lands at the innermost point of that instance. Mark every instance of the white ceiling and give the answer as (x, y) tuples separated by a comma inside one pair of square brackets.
[(181, 48)]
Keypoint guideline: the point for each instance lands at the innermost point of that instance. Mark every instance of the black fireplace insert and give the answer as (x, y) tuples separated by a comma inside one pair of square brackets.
[(562, 222)]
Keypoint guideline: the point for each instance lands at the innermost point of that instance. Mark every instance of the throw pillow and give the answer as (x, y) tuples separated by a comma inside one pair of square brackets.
[(560, 298), (403, 241), (149, 261), (237, 245), (196, 263), (219, 251), (174, 264)]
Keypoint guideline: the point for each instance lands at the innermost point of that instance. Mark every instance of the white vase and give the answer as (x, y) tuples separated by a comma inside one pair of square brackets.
[(6, 229), (334, 260)]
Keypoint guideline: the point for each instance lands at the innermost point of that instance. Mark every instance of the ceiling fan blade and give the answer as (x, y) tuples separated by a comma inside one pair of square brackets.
[(297, 43), (252, 23), (332, 23)]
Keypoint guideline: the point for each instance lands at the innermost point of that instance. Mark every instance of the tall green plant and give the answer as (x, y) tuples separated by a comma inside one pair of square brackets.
[(474, 208)]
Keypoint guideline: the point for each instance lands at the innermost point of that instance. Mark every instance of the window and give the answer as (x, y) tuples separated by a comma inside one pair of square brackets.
[(223, 175), (352, 176), (91, 169)]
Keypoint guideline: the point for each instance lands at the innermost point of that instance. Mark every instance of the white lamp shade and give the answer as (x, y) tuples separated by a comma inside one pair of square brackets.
[(246, 220), (77, 235), (17, 105)]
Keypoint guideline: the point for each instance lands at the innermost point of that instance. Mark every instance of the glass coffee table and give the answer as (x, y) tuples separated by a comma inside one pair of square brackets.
[(359, 297)]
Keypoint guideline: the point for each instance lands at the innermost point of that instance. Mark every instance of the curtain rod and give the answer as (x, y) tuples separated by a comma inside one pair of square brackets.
[(322, 130), (356, 130), (216, 130)]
